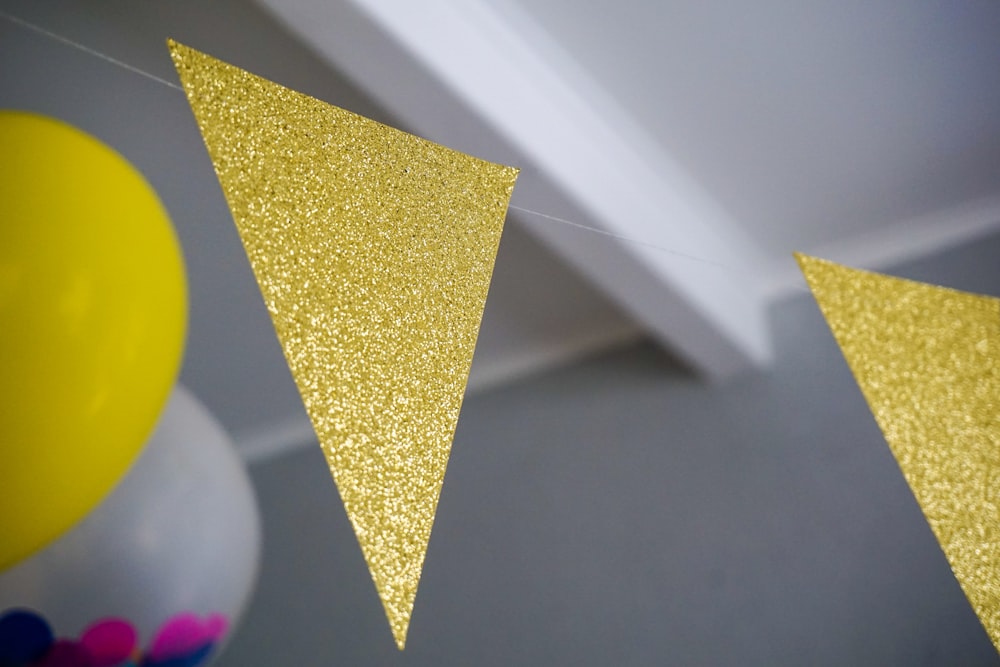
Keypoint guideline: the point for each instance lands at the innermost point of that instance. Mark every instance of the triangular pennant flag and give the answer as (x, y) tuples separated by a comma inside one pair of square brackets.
[(373, 250), (927, 360)]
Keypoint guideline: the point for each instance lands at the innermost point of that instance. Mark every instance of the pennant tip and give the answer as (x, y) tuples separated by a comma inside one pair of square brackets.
[(807, 265), (399, 618), (802, 259), (176, 49), (399, 631)]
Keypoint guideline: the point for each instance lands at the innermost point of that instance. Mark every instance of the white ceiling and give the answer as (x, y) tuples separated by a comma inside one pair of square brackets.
[(866, 132), (807, 122)]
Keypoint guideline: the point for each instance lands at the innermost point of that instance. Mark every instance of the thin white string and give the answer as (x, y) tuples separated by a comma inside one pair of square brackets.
[(114, 61), (86, 49), (619, 237)]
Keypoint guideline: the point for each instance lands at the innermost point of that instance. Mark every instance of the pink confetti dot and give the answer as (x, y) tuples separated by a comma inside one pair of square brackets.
[(110, 641), (184, 634), (65, 653)]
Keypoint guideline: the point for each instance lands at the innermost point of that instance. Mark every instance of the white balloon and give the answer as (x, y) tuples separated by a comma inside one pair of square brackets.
[(180, 533)]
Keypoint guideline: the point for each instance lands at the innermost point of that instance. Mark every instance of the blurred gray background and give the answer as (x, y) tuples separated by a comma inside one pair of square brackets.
[(661, 460)]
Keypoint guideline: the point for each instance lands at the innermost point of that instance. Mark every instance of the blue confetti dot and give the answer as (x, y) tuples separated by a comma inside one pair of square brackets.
[(24, 636)]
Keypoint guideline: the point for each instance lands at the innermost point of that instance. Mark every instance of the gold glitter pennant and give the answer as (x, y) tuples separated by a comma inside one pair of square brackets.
[(373, 250), (927, 360)]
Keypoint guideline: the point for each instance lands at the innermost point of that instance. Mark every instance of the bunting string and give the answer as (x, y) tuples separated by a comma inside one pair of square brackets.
[(538, 215)]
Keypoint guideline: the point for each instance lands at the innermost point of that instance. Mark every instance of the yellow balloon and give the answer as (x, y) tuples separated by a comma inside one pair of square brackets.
[(93, 311)]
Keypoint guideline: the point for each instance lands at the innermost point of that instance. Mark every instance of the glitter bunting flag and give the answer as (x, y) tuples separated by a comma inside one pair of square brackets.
[(927, 360), (373, 250)]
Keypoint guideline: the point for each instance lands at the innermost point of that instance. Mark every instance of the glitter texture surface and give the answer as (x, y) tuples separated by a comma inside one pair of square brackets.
[(374, 251), (927, 360)]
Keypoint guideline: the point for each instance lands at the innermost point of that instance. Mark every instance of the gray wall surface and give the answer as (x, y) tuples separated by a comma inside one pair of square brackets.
[(622, 513)]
